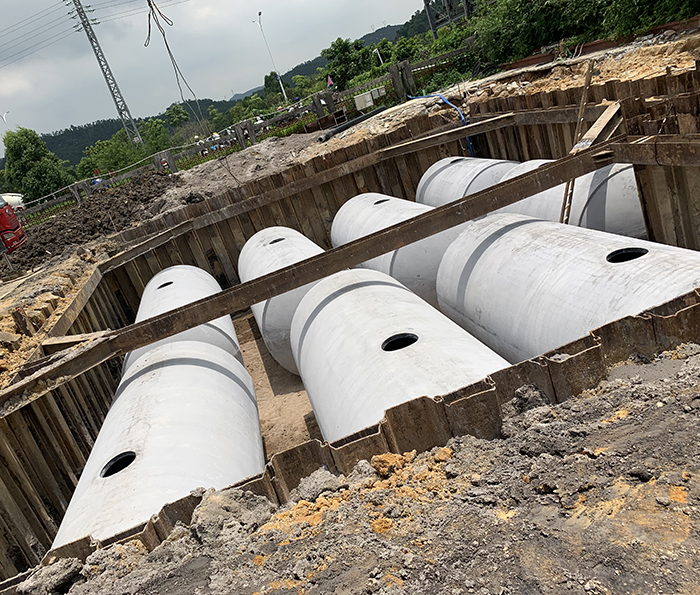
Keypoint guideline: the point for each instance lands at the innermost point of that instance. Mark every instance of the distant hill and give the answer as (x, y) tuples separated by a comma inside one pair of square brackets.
[(304, 69), (69, 144), (239, 96), (388, 32)]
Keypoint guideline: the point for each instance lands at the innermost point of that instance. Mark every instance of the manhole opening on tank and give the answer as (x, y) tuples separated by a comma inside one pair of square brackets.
[(625, 254), (380, 201), (276, 240), (118, 463), (164, 284), (396, 342)]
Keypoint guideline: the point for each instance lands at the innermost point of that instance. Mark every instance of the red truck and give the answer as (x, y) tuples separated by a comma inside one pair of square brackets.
[(11, 231)]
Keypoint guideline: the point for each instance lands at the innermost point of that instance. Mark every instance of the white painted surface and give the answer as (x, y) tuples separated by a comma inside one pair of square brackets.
[(173, 288), (188, 411), (337, 336), (525, 286), (415, 265), (606, 199), (267, 251), (453, 178)]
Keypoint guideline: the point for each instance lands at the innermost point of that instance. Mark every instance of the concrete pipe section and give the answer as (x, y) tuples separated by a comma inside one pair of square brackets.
[(184, 416), (173, 288), (525, 286), (415, 265), (456, 177), (267, 251), (606, 199), (364, 343)]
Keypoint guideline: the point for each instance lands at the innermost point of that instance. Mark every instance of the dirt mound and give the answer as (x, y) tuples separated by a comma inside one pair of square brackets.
[(107, 211), (597, 495)]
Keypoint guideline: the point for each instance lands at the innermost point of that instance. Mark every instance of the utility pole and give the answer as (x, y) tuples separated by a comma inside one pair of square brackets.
[(431, 20), (267, 45), (122, 109)]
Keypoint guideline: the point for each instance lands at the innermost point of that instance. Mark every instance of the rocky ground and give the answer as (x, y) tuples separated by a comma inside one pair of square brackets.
[(598, 495)]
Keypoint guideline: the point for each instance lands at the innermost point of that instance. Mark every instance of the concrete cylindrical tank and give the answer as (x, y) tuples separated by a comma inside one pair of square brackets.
[(364, 343), (184, 416), (267, 251), (453, 178), (173, 288), (415, 265), (606, 199), (525, 286)]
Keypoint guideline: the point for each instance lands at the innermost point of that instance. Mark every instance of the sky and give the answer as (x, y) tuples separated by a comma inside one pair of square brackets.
[(217, 44)]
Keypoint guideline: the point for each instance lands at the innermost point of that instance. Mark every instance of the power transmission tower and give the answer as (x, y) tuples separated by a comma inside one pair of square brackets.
[(122, 109)]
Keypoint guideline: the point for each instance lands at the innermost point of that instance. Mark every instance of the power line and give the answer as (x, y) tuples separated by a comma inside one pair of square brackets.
[(30, 18), (29, 50), (68, 32), (135, 11), (36, 32)]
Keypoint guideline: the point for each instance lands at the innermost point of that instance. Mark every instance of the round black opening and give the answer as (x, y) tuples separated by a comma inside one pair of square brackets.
[(118, 463), (165, 284), (378, 202), (625, 254), (399, 341), (277, 240)]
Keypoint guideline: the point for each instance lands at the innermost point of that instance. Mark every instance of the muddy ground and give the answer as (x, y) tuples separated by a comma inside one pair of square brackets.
[(598, 495)]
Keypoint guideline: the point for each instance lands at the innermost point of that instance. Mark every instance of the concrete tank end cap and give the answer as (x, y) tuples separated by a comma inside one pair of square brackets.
[(173, 273)]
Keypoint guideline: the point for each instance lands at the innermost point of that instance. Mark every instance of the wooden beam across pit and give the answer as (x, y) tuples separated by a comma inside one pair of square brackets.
[(237, 299), (675, 150)]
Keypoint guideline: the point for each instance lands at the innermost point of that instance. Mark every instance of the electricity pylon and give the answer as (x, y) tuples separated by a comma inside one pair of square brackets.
[(122, 109)]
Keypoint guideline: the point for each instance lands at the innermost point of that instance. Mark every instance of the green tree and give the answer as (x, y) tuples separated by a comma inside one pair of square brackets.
[(176, 115), (346, 60), (30, 167), (155, 137)]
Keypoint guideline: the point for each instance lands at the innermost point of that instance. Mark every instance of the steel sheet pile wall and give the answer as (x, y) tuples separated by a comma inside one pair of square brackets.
[(44, 444), (540, 136), (668, 176)]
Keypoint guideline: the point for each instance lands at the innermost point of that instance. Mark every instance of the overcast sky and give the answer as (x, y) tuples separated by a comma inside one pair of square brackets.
[(219, 49)]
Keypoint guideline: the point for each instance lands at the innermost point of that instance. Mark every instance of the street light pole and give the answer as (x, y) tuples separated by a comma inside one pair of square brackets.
[(279, 79)]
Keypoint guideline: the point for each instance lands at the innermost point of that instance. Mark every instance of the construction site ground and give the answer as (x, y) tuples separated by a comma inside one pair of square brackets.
[(595, 495), (598, 495)]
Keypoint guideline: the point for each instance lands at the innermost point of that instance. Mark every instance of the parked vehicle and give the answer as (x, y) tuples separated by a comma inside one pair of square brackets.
[(11, 232), (16, 201)]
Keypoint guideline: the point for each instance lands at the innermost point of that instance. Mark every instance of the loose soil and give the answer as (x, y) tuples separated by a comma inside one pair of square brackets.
[(597, 495)]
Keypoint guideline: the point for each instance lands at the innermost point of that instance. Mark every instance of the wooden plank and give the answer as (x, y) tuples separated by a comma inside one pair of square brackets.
[(135, 277), (122, 289), (76, 306), (670, 150), (221, 240), (602, 129), (54, 344), (239, 298)]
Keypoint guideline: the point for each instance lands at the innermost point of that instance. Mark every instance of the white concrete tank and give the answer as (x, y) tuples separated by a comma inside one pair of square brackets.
[(364, 343), (415, 265), (525, 286), (184, 416), (453, 178), (606, 199), (175, 287), (267, 251)]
